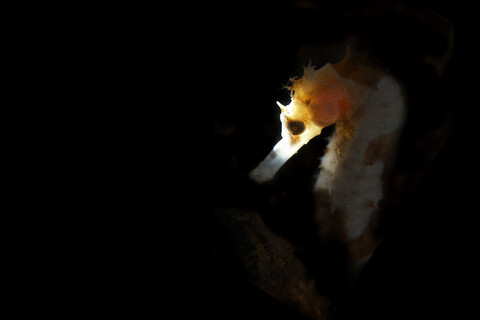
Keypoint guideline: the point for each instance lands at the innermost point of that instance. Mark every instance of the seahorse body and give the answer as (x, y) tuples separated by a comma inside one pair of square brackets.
[(368, 108), (351, 183)]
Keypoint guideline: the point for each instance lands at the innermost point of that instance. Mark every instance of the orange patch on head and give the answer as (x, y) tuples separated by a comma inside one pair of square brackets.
[(322, 93), (328, 108)]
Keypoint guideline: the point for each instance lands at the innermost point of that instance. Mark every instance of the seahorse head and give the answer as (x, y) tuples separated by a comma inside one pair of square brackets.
[(318, 99)]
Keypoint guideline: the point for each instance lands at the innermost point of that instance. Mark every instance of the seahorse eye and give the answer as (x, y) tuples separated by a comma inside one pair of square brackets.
[(295, 127)]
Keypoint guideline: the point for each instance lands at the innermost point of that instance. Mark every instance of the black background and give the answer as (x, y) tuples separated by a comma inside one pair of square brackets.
[(109, 246)]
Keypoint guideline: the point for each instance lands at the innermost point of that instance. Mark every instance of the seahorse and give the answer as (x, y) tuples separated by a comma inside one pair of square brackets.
[(368, 108)]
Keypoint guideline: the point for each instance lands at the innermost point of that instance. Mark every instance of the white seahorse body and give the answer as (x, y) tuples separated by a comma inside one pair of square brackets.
[(356, 187)]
